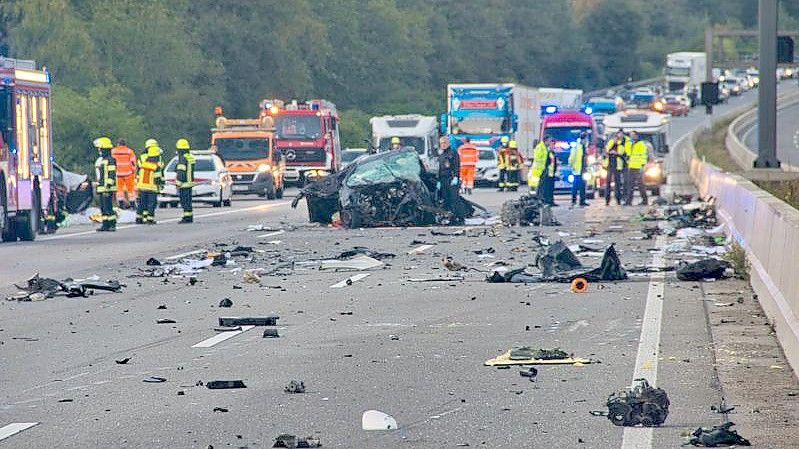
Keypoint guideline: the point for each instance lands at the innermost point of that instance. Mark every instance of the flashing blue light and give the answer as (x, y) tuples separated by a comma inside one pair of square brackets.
[(571, 178), (551, 109), (589, 110)]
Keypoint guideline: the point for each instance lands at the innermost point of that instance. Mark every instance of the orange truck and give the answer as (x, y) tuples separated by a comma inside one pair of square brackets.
[(247, 146)]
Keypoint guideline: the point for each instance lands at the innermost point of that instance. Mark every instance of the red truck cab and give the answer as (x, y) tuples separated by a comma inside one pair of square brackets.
[(307, 135)]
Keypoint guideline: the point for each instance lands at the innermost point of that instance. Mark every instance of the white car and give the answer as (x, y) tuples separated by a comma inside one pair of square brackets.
[(214, 183), (486, 172)]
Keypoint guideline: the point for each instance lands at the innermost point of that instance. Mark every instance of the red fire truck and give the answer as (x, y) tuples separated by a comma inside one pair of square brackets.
[(26, 155), (307, 135)]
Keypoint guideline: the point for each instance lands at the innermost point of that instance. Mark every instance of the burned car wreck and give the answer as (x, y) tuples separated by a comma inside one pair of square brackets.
[(384, 189)]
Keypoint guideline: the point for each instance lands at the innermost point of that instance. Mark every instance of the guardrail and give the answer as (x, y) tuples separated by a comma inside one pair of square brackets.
[(743, 155), (767, 228), (625, 86)]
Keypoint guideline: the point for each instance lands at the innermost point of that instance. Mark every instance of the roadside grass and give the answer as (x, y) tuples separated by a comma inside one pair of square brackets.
[(787, 191), (736, 256), (711, 147)]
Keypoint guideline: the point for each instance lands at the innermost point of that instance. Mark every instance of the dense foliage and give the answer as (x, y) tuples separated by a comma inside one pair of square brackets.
[(140, 68)]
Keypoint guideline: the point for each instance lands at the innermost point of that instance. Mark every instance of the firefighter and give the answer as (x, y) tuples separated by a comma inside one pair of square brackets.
[(502, 153), (184, 179), (126, 174), (613, 163), (448, 184), (577, 161), (395, 143), (636, 161), (539, 158), (106, 184), (468, 155), (149, 182), (546, 185), (514, 162)]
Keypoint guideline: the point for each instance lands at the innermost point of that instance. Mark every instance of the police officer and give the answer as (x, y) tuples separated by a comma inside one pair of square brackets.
[(149, 181), (395, 143), (546, 185), (502, 160), (513, 164), (638, 157), (184, 179), (448, 182), (577, 161), (613, 163), (106, 184), (539, 158)]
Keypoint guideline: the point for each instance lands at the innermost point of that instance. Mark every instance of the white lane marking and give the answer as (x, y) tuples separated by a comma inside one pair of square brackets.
[(351, 279), (270, 234), (419, 250), (170, 220), (15, 428), (646, 362), (190, 253), (220, 337)]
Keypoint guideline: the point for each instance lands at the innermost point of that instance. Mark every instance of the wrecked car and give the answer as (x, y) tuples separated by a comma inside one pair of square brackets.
[(384, 189)]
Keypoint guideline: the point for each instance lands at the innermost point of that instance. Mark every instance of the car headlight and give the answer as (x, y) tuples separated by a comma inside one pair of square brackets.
[(658, 106), (263, 168), (571, 178), (653, 171)]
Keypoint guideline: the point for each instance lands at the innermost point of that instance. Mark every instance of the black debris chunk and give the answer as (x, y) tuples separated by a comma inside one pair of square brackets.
[(37, 288), (526, 352), (609, 269), (154, 380), (153, 262), (718, 436), (220, 410), (224, 384), (65, 400), (557, 257), (292, 441), (527, 210), (226, 302), (640, 404), (165, 321), (123, 361), (294, 387), (703, 269), (270, 333), (362, 250), (530, 373), (249, 321), (161, 307)]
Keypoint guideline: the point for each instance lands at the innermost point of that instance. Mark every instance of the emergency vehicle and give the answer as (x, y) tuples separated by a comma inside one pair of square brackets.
[(26, 151), (307, 134), (247, 148), (565, 128)]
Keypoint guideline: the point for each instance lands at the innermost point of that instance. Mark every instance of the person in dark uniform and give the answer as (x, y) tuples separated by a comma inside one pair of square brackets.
[(448, 180), (106, 184), (546, 185), (184, 179)]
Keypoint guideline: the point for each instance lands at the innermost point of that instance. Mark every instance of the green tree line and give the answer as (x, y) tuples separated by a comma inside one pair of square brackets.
[(142, 68)]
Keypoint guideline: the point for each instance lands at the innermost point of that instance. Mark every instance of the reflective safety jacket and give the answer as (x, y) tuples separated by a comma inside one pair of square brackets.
[(125, 160), (577, 158), (616, 152), (106, 174), (185, 170), (469, 154), (539, 160), (150, 177), (501, 161), (550, 164), (513, 159), (638, 155)]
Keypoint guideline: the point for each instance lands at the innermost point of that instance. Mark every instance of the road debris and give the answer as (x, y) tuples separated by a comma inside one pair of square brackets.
[(249, 321), (377, 420), (292, 441), (225, 302), (165, 321), (224, 384), (295, 387), (153, 262), (530, 373), (154, 380), (384, 189), (525, 355), (609, 269), (703, 269), (227, 328), (360, 263), (640, 404), (220, 409), (122, 361), (718, 436), (270, 333), (251, 277), (527, 210), (38, 288)]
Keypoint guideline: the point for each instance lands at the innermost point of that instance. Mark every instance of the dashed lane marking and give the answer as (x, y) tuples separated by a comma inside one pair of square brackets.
[(15, 428), (222, 336), (349, 280), (646, 362), (170, 220)]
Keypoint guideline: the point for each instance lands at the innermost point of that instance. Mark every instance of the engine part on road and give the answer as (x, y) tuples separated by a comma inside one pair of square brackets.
[(527, 210), (640, 404), (718, 436), (249, 321)]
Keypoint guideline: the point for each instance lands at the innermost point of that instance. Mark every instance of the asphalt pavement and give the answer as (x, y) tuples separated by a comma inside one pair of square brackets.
[(787, 133), (400, 340)]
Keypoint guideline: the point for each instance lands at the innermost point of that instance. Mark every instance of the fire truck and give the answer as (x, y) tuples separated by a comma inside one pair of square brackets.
[(26, 151), (307, 135)]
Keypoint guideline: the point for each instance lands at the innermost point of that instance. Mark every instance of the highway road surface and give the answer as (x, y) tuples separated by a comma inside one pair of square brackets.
[(787, 133), (398, 340)]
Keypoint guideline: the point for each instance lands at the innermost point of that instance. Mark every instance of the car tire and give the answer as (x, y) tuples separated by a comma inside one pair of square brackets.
[(656, 191), (218, 203), (28, 221), (591, 195), (8, 233), (279, 193), (228, 202)]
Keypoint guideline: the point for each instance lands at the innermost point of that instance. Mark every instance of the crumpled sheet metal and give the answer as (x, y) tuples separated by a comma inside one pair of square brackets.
[(508, 359), (527, 210), (718, 436), (609, 269), (703, 269), (70, 288)]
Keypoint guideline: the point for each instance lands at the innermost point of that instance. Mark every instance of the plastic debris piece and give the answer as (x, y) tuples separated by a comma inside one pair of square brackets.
[(153, 262), (249, 321), (579, 285), (295, 387), (292, 441), (377, 420), (226, 302), (154, 380), (227, 328), (703, 269), (165, 321), (224, 384), (356, 263), (270, 333), (717, 436)]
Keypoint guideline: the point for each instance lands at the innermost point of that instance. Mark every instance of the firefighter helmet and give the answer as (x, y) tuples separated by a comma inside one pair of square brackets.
[(182, 144), (504, 140), (103, 143), (513, 144), (150, 143), (395, 141)]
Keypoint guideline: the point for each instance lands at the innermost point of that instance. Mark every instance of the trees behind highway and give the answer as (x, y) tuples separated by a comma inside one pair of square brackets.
[(137, 68)]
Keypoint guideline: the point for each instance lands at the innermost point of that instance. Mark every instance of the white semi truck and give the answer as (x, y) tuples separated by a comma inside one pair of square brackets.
[(413, 130), (685, 72)]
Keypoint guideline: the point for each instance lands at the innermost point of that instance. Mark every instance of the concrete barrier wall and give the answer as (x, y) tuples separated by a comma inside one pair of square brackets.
[(767, 228)]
